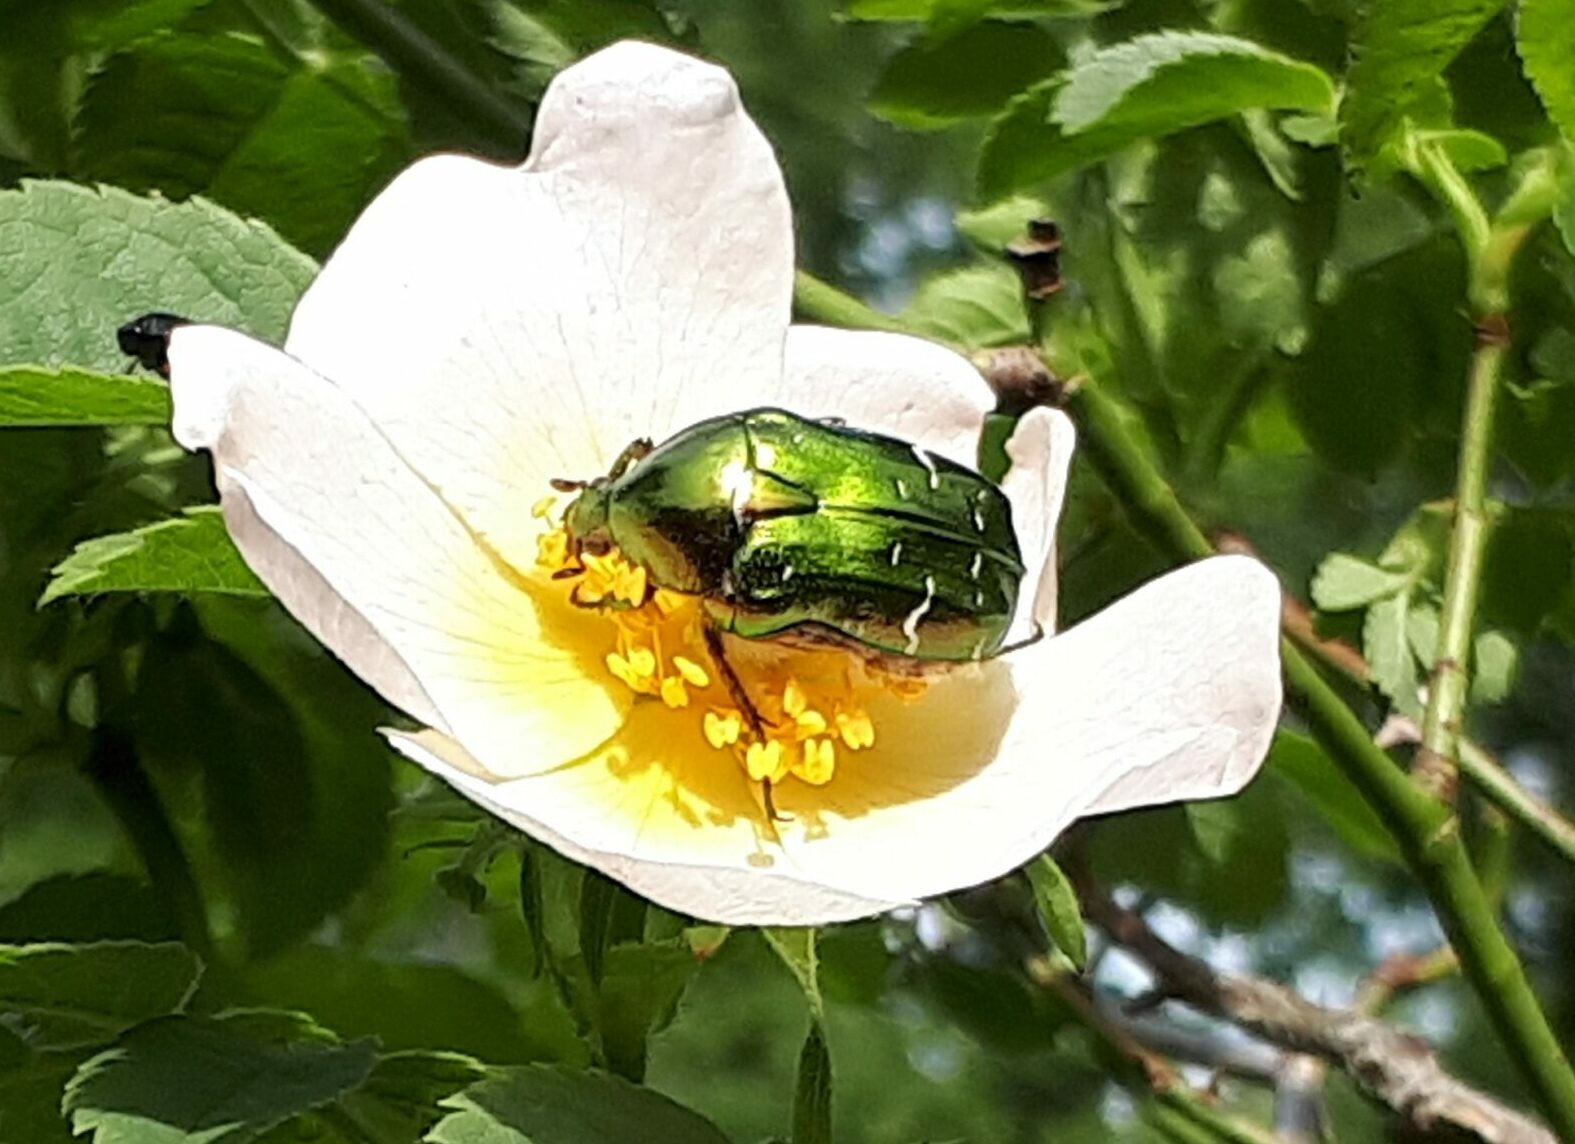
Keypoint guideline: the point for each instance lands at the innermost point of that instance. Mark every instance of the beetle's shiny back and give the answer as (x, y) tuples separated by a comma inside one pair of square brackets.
[(785, 523)]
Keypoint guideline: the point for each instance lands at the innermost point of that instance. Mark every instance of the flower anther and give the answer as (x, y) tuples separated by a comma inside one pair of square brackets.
[(633, 278)]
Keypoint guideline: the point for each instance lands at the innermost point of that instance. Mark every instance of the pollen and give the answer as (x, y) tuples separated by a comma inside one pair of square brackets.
[(778, 712)]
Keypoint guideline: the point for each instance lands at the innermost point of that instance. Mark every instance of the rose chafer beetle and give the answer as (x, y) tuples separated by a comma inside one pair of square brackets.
[(811, 532)]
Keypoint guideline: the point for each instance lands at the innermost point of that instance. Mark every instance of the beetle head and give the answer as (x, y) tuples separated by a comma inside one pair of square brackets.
[(586, 519)]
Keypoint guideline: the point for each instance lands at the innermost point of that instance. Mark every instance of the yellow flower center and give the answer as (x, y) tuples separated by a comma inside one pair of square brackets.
[(809, 703)]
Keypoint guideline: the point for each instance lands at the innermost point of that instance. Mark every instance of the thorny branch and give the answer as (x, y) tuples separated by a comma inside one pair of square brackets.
[(1398, 1070)]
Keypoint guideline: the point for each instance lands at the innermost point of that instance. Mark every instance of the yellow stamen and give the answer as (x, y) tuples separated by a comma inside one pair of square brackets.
[(542, 509), (722, 730), (856, 729), (818, 763), (793, 699), (809, 723), (674, 693), (810, 700), (552, 549), (765, 761)]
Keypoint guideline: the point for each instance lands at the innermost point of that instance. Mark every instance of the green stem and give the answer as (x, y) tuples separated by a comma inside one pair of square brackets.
[(1491, 248), (1427, 832), (1489, 777), (1431, 166), (1224, 417), (1446, 704), (116, 773), (411, 52), (1430, 838), (822, 302)]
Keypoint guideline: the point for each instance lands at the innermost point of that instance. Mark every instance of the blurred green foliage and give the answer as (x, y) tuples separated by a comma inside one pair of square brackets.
[(267, 928)]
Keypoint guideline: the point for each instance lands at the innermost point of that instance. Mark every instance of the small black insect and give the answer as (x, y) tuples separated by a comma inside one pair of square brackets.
[(148, 340)]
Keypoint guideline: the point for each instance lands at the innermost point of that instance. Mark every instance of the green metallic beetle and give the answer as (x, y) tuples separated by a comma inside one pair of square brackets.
[(808, 531)]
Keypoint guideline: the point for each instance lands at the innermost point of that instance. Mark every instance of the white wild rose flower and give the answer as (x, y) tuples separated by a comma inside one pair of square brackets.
[(484, 330)]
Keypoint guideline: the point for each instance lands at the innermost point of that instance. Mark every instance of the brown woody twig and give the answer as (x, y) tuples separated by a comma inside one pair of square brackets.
[(1394, 1068)]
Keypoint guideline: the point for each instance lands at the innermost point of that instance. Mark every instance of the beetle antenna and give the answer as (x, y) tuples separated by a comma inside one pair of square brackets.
[(565, 485)]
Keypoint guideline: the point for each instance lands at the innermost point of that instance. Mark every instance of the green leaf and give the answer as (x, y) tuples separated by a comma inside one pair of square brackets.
[(1421, 629), (991, 228), (1302, 763), (1058, 908), (539, 1105), (1529, 566), (1217, 829), (1467, 151), (341, 840), (1359, 409), (975, 307), (95, 906), (1149, 87), (397, 1103), (302, 146), (1345, 582), (38, 395), (796, 946), (196, 1080), (1164, 82), (929, 85), (812, 1088), (609, 914), (1387, 647), (641, 985), (108, 25), (93, 259), (1495, 661), (30, 1095), (998, 1008), (926, 10), (65, 996), (1564, 219), (1401, 49), (189, 554), (1545, 35), (405, 1006)]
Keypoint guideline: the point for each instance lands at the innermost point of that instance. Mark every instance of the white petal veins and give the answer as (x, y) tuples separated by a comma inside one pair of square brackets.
[(504, 326), (1159, 694), (735, 893), (339, 510), (1241, 679)]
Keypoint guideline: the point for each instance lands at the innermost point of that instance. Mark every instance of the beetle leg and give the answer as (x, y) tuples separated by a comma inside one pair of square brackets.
[(637, 450), (746, 707), (771, 806), (1026, 641), (734, 685)]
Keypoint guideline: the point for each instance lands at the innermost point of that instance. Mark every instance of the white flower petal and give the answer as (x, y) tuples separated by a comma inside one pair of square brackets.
[(370, 559), (890, 383), (1171, 693), (728, 894), (507, 326), (1239, 672), (1040, 450)]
